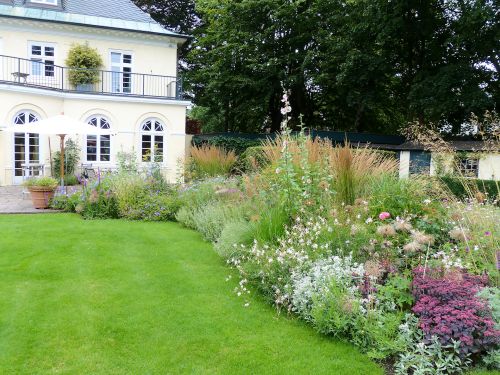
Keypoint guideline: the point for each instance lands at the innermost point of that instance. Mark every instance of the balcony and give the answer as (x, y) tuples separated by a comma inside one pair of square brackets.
[(44, 75)]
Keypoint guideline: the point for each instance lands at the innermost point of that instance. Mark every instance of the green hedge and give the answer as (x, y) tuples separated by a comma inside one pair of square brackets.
[(487, 187), (236, 144)]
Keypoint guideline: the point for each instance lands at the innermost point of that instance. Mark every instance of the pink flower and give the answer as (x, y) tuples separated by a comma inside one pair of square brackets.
[(384, 215)]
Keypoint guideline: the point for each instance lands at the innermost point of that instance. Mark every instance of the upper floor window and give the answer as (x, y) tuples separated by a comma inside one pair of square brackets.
[(121, 67), (43, 57), (47, 2), (469, 167), (152, 141), (98, 147)]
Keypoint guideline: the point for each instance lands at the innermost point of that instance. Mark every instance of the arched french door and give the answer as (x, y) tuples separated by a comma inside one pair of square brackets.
[(26, 145), (152, 141)]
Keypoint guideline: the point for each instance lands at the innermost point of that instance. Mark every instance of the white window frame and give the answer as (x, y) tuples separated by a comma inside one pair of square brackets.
[(46, 2), (153, 134), (41, 157), (98, 141), (469, 167), (42, 58), (1, 53), (121, 65)]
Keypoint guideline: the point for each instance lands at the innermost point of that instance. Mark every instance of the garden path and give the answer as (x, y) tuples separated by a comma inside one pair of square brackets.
[(14, 201)]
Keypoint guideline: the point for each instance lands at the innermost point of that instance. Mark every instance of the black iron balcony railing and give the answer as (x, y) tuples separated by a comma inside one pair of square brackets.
[(44, 74)]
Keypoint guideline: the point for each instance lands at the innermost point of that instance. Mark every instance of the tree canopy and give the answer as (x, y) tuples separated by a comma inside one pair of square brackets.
[(359, 65)]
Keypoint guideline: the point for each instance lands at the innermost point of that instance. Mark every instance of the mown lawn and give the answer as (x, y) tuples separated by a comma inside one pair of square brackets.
[(117, 297)]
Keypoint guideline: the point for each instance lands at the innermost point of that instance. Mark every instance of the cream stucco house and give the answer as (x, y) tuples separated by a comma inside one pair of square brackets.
[(138, 94)]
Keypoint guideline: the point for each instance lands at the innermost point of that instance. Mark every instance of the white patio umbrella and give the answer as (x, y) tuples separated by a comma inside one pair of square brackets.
[(60, 125)]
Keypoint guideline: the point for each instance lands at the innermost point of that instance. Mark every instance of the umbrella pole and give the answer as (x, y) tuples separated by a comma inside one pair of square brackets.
[(62, 163)]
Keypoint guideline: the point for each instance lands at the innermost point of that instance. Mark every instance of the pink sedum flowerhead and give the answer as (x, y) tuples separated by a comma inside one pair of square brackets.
[(384, 215)]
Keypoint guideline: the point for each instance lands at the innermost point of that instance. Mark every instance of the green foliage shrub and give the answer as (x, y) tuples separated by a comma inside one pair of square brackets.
[(71, 160), (488, 187), (185, 216), (100, 204), (421, 356), (233, 235), (210, 220), (492, 296), (86, 62), (146, 198), (199, 194), (45, 182), (271, 224), (71, 180), (152, 207), (374, 331), (66, 203), (397, 196)]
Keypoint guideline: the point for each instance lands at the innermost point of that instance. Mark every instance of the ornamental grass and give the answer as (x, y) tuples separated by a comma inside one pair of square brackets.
[(210, 161)]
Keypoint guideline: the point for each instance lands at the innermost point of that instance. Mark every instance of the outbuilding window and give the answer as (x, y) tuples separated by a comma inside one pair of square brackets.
[(420, 163), (469, 167)]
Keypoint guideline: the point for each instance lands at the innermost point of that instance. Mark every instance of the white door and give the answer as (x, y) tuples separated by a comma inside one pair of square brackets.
[(26, 145), (121, 76), (2, 73)]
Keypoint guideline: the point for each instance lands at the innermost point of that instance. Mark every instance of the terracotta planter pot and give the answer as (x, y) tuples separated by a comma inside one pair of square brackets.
[(41, 196)]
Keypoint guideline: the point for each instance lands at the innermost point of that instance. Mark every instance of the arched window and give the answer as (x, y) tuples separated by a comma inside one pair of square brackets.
[(98, 146), (152, 140), (26, 146)]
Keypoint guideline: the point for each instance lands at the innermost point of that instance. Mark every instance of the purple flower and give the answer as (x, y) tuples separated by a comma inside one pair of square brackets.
[(498, 260), (487, 233)]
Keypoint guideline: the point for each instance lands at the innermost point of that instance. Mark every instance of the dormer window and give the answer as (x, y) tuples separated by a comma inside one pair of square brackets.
[(45, 2)]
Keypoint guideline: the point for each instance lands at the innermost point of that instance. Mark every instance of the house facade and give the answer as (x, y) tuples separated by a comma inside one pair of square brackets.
[(137, 93)]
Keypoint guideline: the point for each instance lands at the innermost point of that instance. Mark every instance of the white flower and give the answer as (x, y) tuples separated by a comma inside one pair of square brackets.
[(285, 110), (369, 220)]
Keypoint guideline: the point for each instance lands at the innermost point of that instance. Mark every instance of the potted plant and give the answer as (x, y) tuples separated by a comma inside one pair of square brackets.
[(41, 190), (84, 63)]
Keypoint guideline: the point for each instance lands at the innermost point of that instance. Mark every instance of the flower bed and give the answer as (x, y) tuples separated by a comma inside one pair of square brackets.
[(331, 234)]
